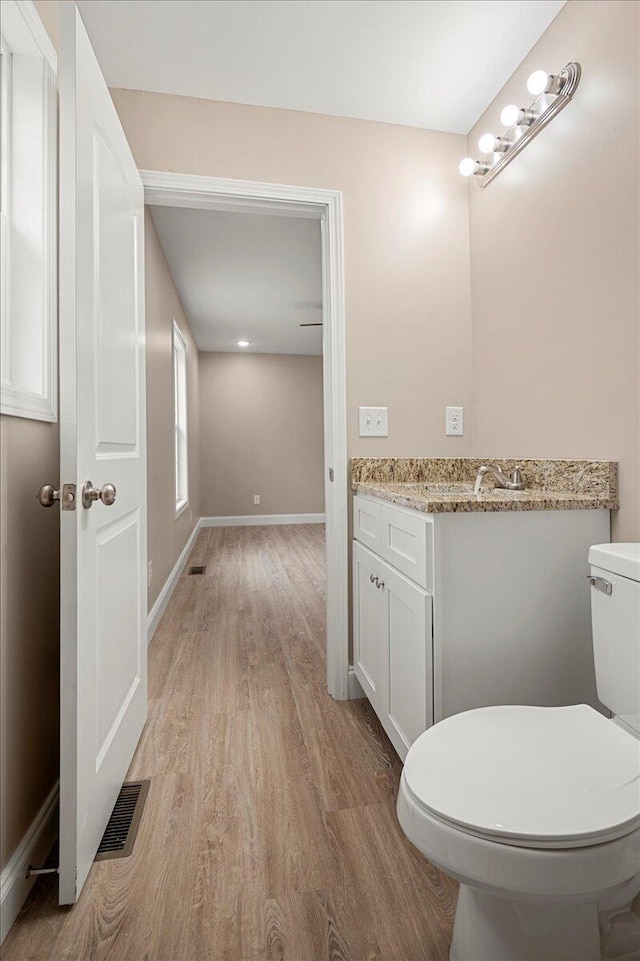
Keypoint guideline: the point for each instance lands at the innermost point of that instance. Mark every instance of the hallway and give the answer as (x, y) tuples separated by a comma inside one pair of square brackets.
[(270, 830)]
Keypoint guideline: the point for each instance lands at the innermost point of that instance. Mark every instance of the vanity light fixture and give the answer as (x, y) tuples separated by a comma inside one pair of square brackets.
[(490, 144), (470, 166), (552, 92), (243, 343), (513, 116), (542, 82)]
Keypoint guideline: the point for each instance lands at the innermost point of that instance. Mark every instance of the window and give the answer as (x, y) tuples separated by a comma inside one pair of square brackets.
[(181, 454), (27, 216)]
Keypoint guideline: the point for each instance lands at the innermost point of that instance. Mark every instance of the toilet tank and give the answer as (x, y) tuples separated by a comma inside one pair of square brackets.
[(615, 618)]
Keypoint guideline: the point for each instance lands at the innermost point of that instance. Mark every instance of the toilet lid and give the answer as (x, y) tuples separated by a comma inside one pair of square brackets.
[(538, 776)]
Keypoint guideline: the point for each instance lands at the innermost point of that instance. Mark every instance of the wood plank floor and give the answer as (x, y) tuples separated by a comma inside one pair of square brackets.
[(270, 828)]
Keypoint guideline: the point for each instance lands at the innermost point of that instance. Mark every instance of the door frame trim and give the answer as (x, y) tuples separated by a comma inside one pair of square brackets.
[(215, 193)]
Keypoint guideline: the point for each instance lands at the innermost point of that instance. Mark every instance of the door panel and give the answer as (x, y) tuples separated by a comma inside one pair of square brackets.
[(369, 629), (410, 659), (117, 321), (102, 430), (118, 665)]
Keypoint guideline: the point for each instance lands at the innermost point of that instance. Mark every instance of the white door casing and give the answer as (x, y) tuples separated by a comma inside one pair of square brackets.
[(216, 193), (103, 427)]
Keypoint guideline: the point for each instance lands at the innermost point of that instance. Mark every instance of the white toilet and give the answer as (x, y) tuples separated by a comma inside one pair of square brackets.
[(536, 810)]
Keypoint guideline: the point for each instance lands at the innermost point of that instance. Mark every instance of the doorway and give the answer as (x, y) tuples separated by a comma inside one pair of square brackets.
[(167, 189)]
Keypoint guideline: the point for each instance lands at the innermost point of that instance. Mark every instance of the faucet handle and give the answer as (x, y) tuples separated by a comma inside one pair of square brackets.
[(516, 476)]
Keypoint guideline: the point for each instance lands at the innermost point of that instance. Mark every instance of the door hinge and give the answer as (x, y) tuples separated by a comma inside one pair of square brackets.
[(331, 473), (68, 499)]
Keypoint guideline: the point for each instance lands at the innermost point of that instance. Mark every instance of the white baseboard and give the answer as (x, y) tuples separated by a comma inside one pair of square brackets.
[(156, 612), (355, 688), (32, 850), (261, 520)]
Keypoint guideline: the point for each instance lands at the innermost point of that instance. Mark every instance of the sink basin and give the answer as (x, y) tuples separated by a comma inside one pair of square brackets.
[(459, 488), (442, 488)]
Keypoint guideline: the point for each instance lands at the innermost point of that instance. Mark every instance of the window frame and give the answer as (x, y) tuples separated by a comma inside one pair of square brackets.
[(29, 361), (180, 420)]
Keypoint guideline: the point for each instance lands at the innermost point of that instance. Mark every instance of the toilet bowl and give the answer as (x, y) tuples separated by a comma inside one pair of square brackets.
[(536, 810)]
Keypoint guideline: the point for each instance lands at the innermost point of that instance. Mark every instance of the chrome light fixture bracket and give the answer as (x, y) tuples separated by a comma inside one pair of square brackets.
[(518, 136)]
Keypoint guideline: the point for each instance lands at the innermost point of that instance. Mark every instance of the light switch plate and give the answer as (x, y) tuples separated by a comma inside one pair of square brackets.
[(374, 421), (455, 421)]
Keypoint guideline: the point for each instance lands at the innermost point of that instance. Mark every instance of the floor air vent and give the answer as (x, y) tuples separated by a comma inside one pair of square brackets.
[(198, 569), (122, 829)]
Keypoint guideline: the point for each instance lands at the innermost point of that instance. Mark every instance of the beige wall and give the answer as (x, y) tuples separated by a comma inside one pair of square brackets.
[(167, 535), (262, 433), (29, 636), (406, 241), (554, 263)]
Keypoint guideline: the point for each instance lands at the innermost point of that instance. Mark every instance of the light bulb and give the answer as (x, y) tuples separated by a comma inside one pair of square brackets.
[(510, 115), (537, 82), (467, 166), (243, 343), (487, 143)]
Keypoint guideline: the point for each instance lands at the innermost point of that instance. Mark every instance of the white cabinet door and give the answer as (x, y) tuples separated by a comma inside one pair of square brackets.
[(409, 638), (102, 390), (370, 641)]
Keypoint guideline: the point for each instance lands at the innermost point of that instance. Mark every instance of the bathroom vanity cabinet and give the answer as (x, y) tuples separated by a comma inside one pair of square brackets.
[(454, 611)]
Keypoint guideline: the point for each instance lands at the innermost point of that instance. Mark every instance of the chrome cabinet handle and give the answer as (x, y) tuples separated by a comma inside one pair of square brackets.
[(106, 494)]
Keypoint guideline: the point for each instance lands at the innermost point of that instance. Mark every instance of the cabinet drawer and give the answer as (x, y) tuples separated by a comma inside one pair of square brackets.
[(366, 522), (406, 542)]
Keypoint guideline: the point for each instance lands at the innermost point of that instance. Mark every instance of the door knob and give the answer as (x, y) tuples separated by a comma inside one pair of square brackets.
[(48, 495), (106, 494)]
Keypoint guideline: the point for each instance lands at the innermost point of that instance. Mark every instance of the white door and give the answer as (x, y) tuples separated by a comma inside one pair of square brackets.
[(370, 641), (102, 423), (410, 642)]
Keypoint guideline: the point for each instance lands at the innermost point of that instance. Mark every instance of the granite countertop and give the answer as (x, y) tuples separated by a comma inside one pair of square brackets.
[(445, 485)]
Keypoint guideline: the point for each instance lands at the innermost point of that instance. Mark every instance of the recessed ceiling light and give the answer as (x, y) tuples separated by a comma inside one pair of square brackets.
[(243, 343)]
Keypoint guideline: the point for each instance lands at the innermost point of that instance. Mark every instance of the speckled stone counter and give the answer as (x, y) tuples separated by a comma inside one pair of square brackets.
[(445, 484)]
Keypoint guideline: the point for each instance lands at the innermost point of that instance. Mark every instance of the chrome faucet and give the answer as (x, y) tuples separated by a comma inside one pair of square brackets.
[(515, 482)]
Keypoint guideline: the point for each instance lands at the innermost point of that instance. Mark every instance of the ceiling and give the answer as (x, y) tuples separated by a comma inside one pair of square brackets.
[(240, 276), (426, 63)]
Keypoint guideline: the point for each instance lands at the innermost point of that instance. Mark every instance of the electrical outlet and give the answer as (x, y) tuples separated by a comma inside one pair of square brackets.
[(256, 498), (373, 421), (455, 421), (149, 573)]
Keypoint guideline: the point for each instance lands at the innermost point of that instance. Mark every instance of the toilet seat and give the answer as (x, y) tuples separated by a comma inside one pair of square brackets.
[(529, 776)]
